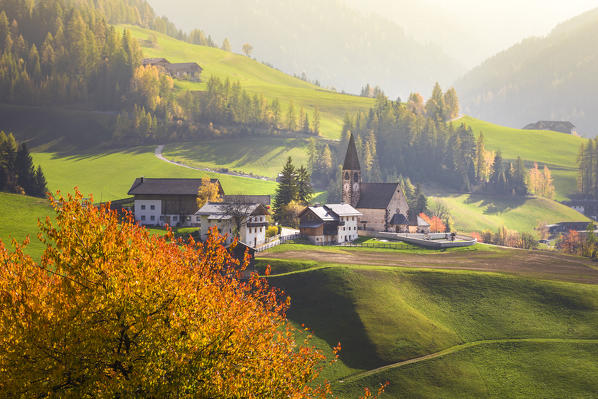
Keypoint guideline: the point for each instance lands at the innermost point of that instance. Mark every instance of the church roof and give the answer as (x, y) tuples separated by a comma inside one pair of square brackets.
[(376, 195), (351, 158), (399, 219)]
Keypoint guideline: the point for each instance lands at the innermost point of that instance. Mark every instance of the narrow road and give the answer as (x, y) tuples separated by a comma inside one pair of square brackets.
[(158, 154), (461, 347)]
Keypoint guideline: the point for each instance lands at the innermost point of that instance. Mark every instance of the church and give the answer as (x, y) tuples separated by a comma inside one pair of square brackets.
[(383, 205)]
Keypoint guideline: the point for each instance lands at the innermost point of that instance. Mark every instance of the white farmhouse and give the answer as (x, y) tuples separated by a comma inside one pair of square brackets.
[(167, 201), (252, 218), (329, 224)]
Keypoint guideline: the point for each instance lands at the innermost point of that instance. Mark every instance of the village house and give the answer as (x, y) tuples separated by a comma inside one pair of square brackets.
[(184, 70), (380, 204), (555, 126), (252, 218), (158, 202), (329, 224)]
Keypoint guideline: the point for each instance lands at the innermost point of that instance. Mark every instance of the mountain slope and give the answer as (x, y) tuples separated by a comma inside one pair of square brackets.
[(256, 78), (550, 78), (325, 39)]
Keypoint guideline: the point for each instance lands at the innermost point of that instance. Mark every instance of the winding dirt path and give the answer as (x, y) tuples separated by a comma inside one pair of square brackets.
[(458, 348), (160, 156)]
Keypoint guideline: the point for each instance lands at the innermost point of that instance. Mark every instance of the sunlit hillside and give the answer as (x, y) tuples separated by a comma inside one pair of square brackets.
[(256, 78)]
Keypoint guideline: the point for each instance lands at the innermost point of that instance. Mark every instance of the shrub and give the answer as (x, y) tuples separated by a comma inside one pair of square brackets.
[(271, 231)]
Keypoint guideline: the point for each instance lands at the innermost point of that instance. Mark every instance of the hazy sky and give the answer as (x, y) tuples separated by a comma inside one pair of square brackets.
[(475, 29), (468, 30)]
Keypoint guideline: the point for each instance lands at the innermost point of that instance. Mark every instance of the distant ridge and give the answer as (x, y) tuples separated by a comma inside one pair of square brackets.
[(550, 78)]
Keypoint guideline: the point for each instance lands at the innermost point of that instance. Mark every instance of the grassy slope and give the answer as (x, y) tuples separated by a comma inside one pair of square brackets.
[(557, 150), (384, 316), (262, 156), (480, 212), (109, 176), (514, 370), (18, 218), (257, 78)]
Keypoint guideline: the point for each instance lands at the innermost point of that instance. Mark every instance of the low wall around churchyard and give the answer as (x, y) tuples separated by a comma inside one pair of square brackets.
[(432, 240)]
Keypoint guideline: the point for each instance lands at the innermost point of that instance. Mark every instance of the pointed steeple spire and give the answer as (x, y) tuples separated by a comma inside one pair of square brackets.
[(351, 159)]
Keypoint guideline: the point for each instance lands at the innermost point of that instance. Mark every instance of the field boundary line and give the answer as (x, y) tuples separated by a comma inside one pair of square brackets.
[(467, 345)]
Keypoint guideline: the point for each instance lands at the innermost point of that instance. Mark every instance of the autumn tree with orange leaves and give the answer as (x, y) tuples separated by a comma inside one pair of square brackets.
[(111, 311), (436, 224)]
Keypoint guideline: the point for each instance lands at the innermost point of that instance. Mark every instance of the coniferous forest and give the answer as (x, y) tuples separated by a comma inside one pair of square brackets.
[(416, 140), (17, 172)]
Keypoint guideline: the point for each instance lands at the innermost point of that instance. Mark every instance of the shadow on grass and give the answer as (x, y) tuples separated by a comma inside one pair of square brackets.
[(322, 301), (495, 204)]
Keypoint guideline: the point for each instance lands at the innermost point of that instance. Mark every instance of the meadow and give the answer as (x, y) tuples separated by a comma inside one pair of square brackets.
[(109, 175), (477, 212), (489, 334), (18, 219), (256, 78), (557, 150), (262, 156)]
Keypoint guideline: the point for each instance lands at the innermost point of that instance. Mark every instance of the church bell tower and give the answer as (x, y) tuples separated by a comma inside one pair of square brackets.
[(351, 175)]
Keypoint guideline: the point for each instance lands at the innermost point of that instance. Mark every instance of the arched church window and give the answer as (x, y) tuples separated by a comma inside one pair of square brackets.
[(356, 177), (347, 176)]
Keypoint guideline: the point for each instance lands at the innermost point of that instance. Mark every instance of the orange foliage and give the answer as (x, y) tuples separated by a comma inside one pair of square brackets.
[(111, 311), (436, 225), (571, 243), (477, 236)]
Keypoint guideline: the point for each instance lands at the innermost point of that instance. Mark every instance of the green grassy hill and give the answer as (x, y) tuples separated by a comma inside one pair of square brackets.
[(383, 315), (262, 156), (476, 212), (557, 150), (18, 216), (109, 175), (256, 78)]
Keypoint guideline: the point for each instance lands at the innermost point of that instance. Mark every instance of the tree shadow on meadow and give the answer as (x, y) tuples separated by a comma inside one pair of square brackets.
[(495, 204)]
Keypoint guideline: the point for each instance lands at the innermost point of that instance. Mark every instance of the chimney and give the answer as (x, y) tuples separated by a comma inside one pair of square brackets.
[(141, 179)]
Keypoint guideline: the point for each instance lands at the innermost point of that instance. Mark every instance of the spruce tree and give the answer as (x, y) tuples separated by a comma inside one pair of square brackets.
[(287, 189), (40, 185), (25, 170), (304, 188)]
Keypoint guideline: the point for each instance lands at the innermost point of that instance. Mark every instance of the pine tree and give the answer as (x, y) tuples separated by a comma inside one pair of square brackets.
[(451, 102), (25, 170), (286, 190), (304, 188), (40, 185)]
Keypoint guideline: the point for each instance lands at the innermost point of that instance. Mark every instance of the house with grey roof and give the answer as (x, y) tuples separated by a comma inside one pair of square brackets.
[(249, 218), (329, 224), (379, 203), (182, 70), (167, 201), (555, 126)]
